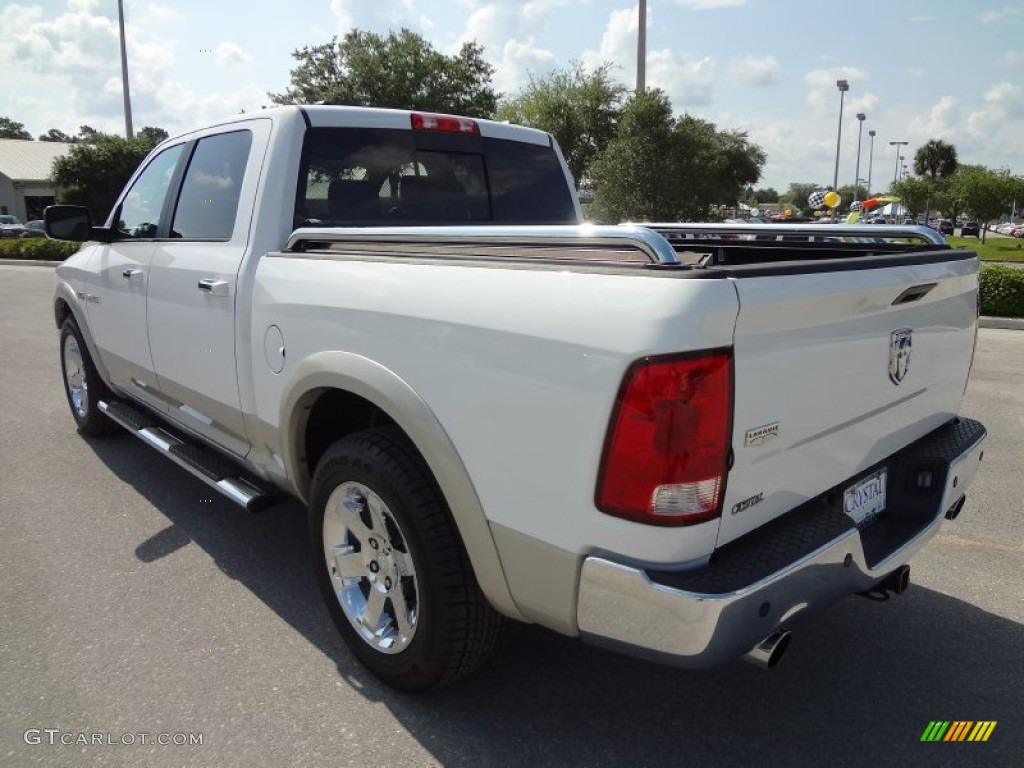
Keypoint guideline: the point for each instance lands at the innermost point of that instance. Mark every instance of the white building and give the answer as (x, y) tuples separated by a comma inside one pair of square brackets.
[(25, 187)]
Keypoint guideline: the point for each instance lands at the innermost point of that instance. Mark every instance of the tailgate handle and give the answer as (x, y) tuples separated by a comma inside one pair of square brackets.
[(914, 293)]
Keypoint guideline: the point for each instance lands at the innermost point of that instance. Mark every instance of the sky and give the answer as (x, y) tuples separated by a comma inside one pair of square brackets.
[(918, 69)]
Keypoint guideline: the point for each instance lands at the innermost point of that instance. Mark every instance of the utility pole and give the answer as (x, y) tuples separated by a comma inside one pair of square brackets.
[(856, 176), (843, 87), (896, 170), (871, 158), (124, 73), (641, 48)]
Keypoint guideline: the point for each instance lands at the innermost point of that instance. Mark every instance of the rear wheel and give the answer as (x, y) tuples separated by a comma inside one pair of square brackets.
[(82, 384), (392, 567)]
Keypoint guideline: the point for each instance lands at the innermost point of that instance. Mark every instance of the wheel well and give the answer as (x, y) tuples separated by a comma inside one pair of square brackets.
[(60, 311), (333, 414)]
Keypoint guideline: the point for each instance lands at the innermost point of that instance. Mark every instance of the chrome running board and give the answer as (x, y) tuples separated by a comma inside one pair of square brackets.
[(216, 471)]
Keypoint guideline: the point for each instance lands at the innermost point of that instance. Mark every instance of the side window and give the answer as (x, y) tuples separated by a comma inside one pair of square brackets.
[(208, 203), (142, 206)]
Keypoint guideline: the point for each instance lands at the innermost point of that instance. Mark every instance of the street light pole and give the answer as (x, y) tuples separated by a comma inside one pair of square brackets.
[(896, 170), (871, 158), (124, 73), (843, 87), (641, 48), (856, 176)]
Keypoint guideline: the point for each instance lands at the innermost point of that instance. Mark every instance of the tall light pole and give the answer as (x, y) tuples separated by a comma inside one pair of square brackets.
[(896, 171), (871, 158), (856, 176), (641, 48), (124, 73), (843, 87)]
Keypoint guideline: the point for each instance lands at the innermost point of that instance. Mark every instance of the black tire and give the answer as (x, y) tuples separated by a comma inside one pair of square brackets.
[(456, 629), (88, 417)]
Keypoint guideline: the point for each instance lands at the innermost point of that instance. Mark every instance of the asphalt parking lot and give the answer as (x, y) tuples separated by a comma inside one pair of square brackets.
[(134, 603)]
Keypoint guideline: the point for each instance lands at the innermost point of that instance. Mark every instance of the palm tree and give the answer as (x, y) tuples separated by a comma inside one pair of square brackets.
[(935, 160)]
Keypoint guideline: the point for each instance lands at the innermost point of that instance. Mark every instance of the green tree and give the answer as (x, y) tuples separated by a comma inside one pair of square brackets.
[(659, 167), (797, 194), (401, 70), (151, 135), (765, 195), (847, 193), (914, 194), (983, 193), (578, 108), (935, 159), (12, 130), (87, 133), (94, 171), (633, 174), (55, 134), (713, 165)]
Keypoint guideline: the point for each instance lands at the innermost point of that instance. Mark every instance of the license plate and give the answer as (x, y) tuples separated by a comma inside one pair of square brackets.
[(865, 499)]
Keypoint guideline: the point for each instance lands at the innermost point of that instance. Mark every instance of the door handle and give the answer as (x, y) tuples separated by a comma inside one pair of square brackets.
[(213, 286), (132, 274)]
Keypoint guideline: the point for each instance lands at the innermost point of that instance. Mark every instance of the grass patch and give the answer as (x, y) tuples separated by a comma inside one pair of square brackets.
[(994, 249)]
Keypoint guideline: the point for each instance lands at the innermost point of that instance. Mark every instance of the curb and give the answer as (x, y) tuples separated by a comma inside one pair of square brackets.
[(29, 263), (1007, 323)]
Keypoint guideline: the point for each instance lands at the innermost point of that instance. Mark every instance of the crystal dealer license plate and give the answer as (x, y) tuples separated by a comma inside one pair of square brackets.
[(865, 499)]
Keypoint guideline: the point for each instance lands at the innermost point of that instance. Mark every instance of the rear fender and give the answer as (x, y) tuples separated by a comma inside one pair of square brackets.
[(379, 385)]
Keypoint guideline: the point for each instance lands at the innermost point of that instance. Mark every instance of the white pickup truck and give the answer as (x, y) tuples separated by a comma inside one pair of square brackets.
[(674, 440)]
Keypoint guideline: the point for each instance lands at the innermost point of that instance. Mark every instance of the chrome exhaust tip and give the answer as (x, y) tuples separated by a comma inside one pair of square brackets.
[(768, 652)]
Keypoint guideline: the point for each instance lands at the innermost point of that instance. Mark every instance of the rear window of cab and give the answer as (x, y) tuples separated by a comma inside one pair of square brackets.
[(382, 177)]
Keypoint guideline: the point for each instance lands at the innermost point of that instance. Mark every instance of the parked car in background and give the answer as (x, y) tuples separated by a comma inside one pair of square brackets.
[(970, 229), (31, 229), (945, 226), (10, 226)]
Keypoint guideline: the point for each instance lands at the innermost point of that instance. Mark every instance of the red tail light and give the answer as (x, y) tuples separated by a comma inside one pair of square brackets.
[(666, 453), (444, 124)]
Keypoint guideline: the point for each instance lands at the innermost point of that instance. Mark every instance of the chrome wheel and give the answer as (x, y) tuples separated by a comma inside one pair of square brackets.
[(74, 377), (370, 567)]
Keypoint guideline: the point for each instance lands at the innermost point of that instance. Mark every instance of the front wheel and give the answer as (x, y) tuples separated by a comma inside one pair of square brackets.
[(82, 383), (392, 567)]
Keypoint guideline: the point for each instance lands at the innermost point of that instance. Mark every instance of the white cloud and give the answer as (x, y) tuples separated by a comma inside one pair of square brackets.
[(508, 33), (618, 43), (920, 19), (689, 81), (232, 53), (998, 14), (1006, 100), (75, 50), (710, 5), (939, 122), (162, 13), (754, 70), (823, 94), (1013, 58)]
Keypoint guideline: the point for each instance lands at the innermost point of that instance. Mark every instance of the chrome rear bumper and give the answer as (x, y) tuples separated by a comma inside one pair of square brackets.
[(669, 618)]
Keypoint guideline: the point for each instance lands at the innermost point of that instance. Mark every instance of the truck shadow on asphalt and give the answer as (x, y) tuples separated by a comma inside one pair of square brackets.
[(857, 686)]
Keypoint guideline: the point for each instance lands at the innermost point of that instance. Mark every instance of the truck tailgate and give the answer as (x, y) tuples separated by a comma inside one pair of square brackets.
[(837, 366)]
